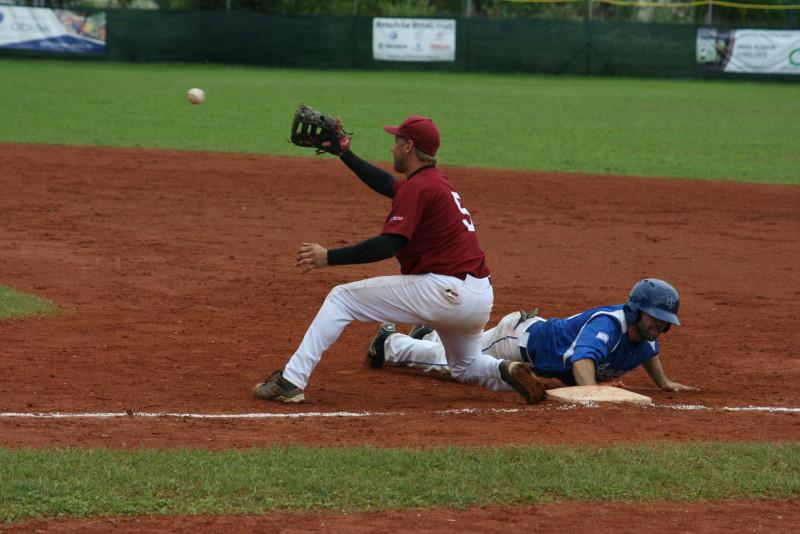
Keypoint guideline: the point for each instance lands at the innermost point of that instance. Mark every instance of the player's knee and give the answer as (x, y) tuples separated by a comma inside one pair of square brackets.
[(336, 290), (336, 294)]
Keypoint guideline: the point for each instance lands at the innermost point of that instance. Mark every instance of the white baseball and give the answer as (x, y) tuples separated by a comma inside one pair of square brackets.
[(196, 95)]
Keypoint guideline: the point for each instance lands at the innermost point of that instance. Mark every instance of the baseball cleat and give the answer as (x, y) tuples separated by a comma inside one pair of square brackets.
[(375, 354), (520, 377), (277, 388), (419, 331)]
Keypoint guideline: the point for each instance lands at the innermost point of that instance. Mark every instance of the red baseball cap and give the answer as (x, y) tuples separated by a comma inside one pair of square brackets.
[(421, 130)]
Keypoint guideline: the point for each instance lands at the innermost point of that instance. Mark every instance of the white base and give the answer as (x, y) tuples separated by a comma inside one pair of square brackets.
[(597, 394)]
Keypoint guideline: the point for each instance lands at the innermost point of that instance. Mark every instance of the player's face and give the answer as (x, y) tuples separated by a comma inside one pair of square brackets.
[(400, 154), (649, 327)]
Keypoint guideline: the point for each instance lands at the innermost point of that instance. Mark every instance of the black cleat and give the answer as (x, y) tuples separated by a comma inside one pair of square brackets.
[(375, 354)]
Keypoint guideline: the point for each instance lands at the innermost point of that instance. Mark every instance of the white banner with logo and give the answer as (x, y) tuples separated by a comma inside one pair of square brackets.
[(414, 39), (52, 30), (750, 51)]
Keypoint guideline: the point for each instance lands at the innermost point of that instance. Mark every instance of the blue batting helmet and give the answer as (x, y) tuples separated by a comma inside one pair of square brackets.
[(657, 299)]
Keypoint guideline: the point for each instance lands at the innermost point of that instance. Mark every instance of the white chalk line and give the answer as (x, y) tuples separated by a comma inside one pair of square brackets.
[(111, 415)]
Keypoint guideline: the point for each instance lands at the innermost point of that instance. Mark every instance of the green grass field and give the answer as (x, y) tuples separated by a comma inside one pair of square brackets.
[(739, 131), (713, 130), (97, 482), (16, 305)]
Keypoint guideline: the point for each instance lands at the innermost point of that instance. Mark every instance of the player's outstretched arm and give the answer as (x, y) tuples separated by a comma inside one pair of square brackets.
[(377, 179), (656, 371)]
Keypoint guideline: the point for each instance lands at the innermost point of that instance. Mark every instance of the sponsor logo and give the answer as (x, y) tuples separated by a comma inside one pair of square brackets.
[(602, 336), (27, 27), (794, 56), (395, 219), (392, 24)]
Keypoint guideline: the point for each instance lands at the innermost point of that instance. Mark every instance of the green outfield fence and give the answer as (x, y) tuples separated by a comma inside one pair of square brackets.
[(588, 47), (511, 45)]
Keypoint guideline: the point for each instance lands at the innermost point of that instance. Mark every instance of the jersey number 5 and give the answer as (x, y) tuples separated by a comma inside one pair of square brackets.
[(468, 220)]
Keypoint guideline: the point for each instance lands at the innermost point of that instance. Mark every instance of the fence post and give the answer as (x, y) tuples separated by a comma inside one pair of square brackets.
[(590, 46)]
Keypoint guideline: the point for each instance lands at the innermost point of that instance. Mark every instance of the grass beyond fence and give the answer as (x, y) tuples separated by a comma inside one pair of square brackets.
[(718, 130)]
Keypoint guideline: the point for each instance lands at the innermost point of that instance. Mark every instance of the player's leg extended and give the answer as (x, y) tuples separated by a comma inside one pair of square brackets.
[(405, 299), (400, 349)]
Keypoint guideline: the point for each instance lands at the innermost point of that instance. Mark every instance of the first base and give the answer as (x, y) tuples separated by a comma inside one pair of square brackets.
[(597, 394)]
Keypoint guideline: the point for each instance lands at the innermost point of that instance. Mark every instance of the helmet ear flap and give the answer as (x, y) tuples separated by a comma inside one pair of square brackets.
[(631, 316)]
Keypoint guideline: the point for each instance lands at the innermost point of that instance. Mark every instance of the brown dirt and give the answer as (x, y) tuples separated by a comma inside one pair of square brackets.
[(174, 270)]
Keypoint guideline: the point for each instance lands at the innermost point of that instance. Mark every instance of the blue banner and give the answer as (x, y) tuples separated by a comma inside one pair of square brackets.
[(52, 30)]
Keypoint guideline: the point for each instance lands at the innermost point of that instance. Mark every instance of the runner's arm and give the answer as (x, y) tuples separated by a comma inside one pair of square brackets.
[(583, 370), (656, 371)]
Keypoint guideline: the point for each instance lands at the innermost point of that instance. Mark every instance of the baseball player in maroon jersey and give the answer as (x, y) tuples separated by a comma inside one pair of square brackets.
[(444, 280)]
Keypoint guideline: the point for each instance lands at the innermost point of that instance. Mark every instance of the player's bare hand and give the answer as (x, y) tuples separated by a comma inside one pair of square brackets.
[(674, 386), (311, 256)]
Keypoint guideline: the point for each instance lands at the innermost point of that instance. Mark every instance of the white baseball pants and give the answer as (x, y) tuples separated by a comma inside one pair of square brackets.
[(457, 309), (501, 342)]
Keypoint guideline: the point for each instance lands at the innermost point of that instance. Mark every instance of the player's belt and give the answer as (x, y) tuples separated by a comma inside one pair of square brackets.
[(476, 284), (463, 276), (525, 357), (523, 342)]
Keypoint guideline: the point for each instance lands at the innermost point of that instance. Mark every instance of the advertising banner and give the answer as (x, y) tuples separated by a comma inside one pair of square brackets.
[(749, 51), (414, 39), (52, 30)]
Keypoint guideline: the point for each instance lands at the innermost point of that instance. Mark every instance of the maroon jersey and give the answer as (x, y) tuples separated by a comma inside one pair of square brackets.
[(441, 234)]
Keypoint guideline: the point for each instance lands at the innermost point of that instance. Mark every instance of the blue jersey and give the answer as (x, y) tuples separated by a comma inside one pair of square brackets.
[(600, 334)]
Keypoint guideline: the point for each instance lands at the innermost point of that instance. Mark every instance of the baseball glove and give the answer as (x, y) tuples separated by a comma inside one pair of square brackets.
[(313, 128)]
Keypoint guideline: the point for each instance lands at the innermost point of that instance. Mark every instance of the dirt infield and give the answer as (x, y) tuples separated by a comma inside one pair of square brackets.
[(175, 273)]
